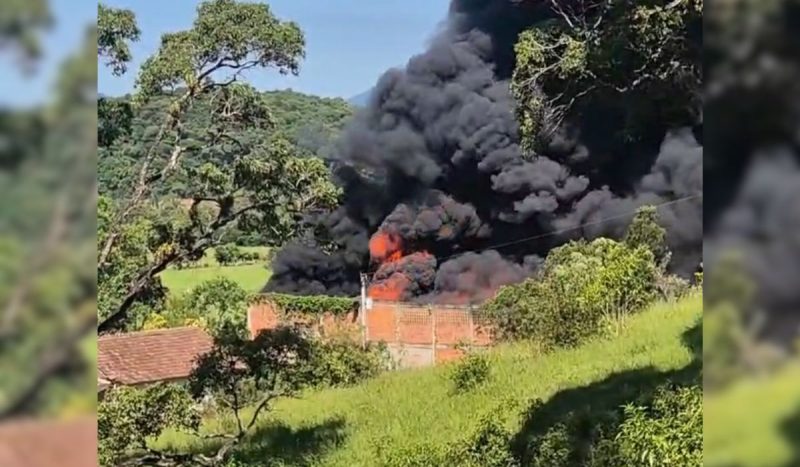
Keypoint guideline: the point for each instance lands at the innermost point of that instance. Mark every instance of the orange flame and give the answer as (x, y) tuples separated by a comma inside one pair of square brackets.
[(385, 247), (392, 289)]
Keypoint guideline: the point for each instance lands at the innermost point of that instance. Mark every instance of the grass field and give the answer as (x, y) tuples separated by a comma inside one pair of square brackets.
[(250, 277), (345, 427), (756, 422)]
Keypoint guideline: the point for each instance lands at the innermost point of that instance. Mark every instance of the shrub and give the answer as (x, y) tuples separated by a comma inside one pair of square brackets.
[(342, 362), (645, 231), (671, 287), (554, 448), (129, 418), (227, 254), (488, 446), (580, 282), (667, 432), (312, 304), (470, 372)]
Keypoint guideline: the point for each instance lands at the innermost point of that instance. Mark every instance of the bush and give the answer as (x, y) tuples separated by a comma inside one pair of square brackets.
[(667, 432), (488, 446), (129, 418), (645, 231), (671, 287), (343, 362), (579, 283), (227, 254), (470, 372), (555, 448), (663, 429)]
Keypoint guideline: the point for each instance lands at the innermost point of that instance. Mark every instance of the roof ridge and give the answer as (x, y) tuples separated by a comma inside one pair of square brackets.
[(149, 332)]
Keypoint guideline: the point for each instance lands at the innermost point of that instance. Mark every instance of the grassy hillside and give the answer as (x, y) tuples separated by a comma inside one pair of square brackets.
[(756, 422), (417, 408), (250, 277)]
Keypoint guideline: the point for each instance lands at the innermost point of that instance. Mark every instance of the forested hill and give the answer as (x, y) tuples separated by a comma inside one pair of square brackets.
[(309, 122)]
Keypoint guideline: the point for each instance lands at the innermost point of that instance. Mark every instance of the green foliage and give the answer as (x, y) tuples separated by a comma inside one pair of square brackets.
[(311, 123), (580, 282), (486, 445), (427, 423), (640, 59), (115, 28), (343, 362), (470, 372), (662, 428), (128, 418), (554, 448), (489, 445), (47, 227), (227, 254), (312, 304), (226, 36), (240, 371), (221, 171), (230, 253), (667, 432), (646, 232)]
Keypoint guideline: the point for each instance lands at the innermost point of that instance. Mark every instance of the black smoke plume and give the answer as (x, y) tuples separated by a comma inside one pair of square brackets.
[(435, 159)]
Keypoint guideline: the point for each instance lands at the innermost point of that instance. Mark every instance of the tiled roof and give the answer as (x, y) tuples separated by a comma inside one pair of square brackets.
[(40, 443), (150, 356)]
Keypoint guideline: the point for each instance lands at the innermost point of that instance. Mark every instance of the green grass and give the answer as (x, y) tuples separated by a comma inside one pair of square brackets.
[(342, 427), (755, 422), (250, 277)]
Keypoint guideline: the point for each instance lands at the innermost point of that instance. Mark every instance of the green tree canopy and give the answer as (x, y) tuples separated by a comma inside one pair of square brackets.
[(224, 170)]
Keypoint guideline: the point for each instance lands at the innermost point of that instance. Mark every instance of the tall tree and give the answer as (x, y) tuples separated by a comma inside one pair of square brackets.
[(642, 57), (229, 165)]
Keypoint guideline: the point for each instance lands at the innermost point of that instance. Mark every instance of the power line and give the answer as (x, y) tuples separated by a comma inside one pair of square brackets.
[(569, 229)]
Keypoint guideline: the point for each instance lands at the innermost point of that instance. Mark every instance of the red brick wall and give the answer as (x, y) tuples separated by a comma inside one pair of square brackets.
[(437, 330)]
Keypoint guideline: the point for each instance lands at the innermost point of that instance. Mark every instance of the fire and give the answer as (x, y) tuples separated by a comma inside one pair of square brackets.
[(392, 289), (385, 247), (396, 280)]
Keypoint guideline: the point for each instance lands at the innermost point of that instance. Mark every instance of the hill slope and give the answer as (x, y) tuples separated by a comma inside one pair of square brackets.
[(416, 408)]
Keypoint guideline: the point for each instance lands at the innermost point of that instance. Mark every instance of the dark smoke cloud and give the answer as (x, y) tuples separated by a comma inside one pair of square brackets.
[(761, 225), (676, 177), (473, 277), (437, 218), (435, 158)]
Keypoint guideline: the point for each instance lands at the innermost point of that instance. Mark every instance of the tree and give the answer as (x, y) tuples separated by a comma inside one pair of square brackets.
[(214, 304), (580, 283), (47, 212), (227, 254), (640, 57), (128, 418), (116, 27), (238, 373), (230, 163), (645, 231)]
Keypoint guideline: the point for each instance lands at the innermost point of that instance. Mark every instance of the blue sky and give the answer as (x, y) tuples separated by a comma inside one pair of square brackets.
[(349, 43)]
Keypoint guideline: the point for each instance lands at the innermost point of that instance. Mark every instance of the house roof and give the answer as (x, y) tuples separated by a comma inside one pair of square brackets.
[(150, 356), (41, 443)]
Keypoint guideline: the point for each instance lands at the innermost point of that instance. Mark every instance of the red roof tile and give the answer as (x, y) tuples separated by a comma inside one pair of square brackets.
[(41, 443), (150, 356)]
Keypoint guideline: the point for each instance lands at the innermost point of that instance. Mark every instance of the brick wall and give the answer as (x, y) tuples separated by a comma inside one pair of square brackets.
[(416, 335)]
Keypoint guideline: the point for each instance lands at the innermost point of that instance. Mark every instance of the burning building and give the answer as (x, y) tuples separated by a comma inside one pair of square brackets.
[(441, 203)]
